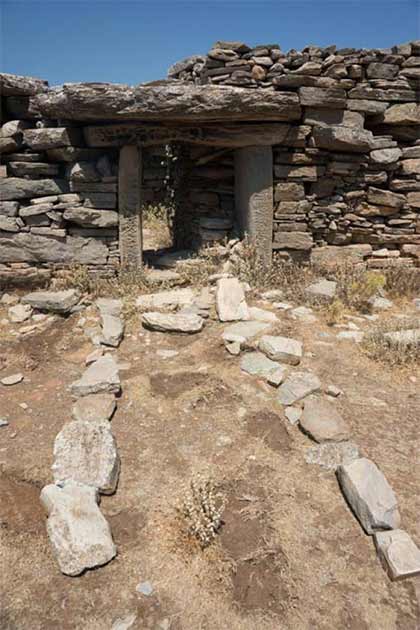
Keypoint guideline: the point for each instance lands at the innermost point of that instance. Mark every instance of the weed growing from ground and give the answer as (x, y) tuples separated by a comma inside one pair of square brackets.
[(403, 350), (202, 509)]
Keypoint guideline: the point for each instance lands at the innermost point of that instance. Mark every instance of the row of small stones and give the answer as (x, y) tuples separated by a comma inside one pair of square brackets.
[(386, 532), (105, 550)]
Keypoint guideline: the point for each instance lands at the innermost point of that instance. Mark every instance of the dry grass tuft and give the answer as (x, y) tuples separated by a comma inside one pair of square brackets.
[(404, 350), (157, 219), (202, 509), (355, 286), (402, 282)]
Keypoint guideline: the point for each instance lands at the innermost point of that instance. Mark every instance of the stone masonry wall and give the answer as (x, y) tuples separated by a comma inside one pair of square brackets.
[(346, 172), (58, 203), (350, 172)]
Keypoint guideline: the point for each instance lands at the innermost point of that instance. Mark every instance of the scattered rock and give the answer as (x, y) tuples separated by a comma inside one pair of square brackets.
[(101, 376), (94, 356), (323, 291), (398, 553), (112, 330), (369, 494), (293, 414), (351, 335), (282, 349), (230, 301), (145, 588), (333, 391), (277, 376), (13, 379), (304, 314), (109, 306), (380, 303), (168, 322), (79, 533), (9, 300), (331, 455), (273, 294), (322, 421), (167, 354), (94, 408), (282, 306), (234, 348), (124, 623), (3, 422), (257, 364), (244, 331), (260, 315), (85, 451), (297, 386), (54, 301), (19, 313), (173, 298)]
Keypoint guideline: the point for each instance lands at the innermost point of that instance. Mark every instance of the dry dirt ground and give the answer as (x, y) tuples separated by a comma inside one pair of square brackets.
[(290, 553)]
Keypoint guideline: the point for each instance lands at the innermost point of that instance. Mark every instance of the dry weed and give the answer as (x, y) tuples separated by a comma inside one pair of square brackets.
[(401, 350), (402, 282), (202, 509)]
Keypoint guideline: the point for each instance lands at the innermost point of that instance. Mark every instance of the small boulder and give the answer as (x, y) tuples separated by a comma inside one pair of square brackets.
[(230, 301), (297, 386), (398, 553), (257, 364), (94, 408), (101, 376), (369, 494), (322, 421), (79, 533), (172, 298), (13, 379), (19, 313), (173, 322), (282, 349), (85, 451), (322, 291), (53, 301)]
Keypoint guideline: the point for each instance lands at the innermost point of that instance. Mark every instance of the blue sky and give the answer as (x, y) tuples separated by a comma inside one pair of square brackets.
[(135, 41)]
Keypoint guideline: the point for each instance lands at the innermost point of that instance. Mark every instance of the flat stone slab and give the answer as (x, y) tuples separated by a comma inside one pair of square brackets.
[(112, 330), (322, 421), (94, 408), (331, 455), (53, 301), (261, 315), (282, 349), (85, 451), (293, 414), (100, 376), (177, 322), (304, 314), (244, 331), (231, 305), (399, 554), (369, 495), (324, 290), (172, 298), (297, 386), (109, 306), (257, 364), (78, 531)]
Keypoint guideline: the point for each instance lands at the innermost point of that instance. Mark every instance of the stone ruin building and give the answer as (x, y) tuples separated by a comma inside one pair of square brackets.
[(314, 154)]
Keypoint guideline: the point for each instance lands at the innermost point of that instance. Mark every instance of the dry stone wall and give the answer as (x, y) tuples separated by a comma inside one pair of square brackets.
[(349, 173), (344, 126)]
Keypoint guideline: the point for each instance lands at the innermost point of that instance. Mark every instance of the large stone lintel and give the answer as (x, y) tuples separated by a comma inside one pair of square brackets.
[(174, 101), (235, 136)]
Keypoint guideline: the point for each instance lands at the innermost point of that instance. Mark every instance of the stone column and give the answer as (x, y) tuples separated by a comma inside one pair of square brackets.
[(129, 205), (254, 196)]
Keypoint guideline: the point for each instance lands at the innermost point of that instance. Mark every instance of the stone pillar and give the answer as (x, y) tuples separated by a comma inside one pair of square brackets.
[(129, 205), (254, 196)]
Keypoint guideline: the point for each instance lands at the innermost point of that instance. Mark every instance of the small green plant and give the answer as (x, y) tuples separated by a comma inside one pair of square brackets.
[(334, 312), (357, 286), (202, 508)]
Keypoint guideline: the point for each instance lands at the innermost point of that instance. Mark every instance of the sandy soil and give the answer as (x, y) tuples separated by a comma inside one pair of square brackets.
[(290, 553)]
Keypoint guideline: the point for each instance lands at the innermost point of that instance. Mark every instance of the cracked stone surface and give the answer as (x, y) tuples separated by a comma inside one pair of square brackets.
[(85, 451), (78, 531), (369, 494)]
